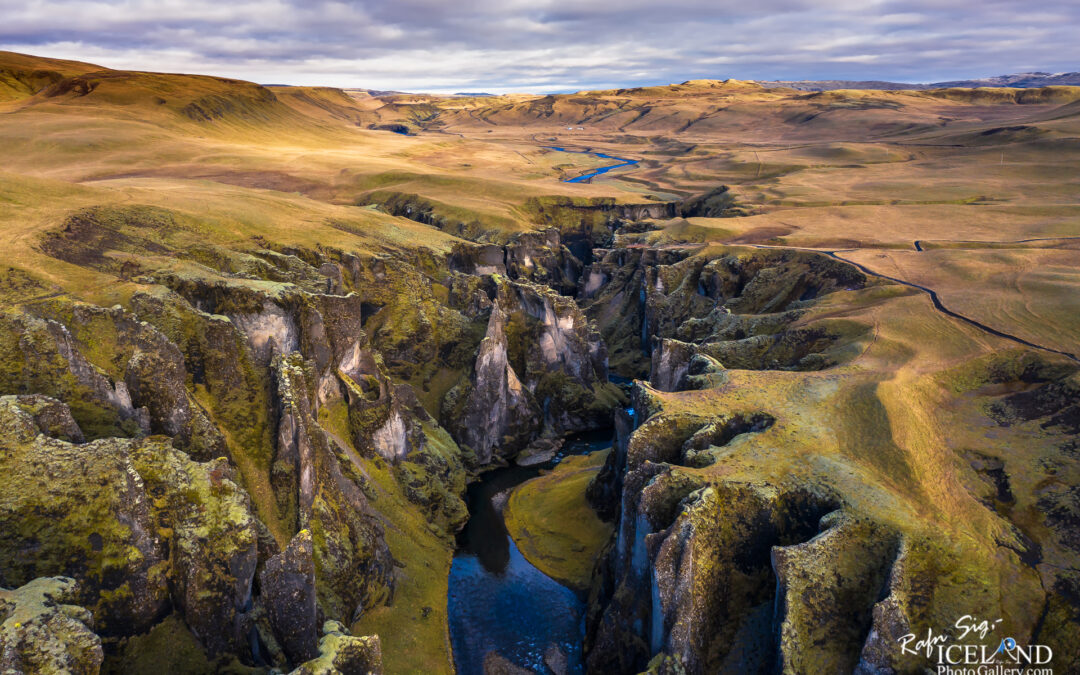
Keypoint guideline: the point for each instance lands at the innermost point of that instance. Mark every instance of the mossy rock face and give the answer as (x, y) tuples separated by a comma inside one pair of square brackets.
[(457, 221), (212, 543), (43, 357), (340, 652), (661, 438), (710, 574), (605, 490), (353, 566), (538, 257), (287, 585), (151, 367), (52, 417), (541, 257), (137, 523), (493, 411), (828, 587), (764, 282), (217, 361), (736, 307), (542, 369), (313, 481), (411, 315), (85, 513), (692, 571), (120, 376), (592, 219), (617, 303), (671, 364), (39, 633), (434, 477), (170, 647)]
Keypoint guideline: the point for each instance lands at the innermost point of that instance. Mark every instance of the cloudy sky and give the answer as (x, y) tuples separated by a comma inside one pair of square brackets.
[(543, 45)]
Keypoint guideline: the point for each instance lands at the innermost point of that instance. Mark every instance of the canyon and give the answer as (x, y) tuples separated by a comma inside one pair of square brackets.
[(298, 380)]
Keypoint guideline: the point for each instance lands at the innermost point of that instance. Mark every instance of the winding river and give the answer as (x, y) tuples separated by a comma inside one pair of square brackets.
[(498, 601), (623, 161)]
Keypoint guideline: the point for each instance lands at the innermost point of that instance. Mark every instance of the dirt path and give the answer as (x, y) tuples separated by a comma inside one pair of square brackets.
[(980, 244), (934, 298)]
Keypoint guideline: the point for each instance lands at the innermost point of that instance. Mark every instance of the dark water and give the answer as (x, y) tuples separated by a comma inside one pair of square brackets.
[(498, 601), (595, 172)]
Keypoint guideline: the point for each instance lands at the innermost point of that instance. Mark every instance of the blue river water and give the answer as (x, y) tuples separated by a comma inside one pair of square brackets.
[(498, 601), (595, 172)]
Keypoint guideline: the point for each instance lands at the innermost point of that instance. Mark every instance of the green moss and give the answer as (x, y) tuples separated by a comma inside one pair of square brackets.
[(414, 628), (169, 647), (18, 286), (91, 541), (434, 477), (592, 217), (554, 526), (1005, 367), (227, 384), (32, 363)]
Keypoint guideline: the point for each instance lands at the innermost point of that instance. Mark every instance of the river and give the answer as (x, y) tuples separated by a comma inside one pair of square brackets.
[(595, 172), (498, 601)]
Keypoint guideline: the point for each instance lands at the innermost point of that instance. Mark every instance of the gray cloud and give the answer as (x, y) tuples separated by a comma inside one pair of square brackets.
[(520, 45)]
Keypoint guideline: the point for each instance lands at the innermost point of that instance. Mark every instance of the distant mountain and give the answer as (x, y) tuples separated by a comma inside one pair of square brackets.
[(375, 92), (1017, 80), (473, 94), (827, 85)]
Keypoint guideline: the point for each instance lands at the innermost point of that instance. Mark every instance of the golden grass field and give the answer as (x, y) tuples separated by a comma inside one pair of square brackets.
[(988, 181)]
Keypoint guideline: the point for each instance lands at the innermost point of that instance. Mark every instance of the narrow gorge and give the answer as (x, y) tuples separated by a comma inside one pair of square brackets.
[(282, 391), (272, 445)]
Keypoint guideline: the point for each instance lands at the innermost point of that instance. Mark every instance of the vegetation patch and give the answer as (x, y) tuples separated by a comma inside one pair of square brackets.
[(554, 526)]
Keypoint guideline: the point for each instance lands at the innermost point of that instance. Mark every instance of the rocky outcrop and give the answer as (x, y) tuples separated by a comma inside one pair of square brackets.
[(495, 413), (265, 324), (541, 370), (711, 575), (737, 310), (159, 532), (51, 417), (85, 513), (138, 377), (236, 390), (478, 259), (287, 590), (137, 523), (605, 491), (44, 358), (40, 633), (340, 652), (671, 364), (693, 577), (826, 591), (353, 565), (560, 357), (211, 543), (541, 258)]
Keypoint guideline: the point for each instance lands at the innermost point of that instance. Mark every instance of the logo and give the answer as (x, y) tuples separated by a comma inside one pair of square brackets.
[(976, 651)]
